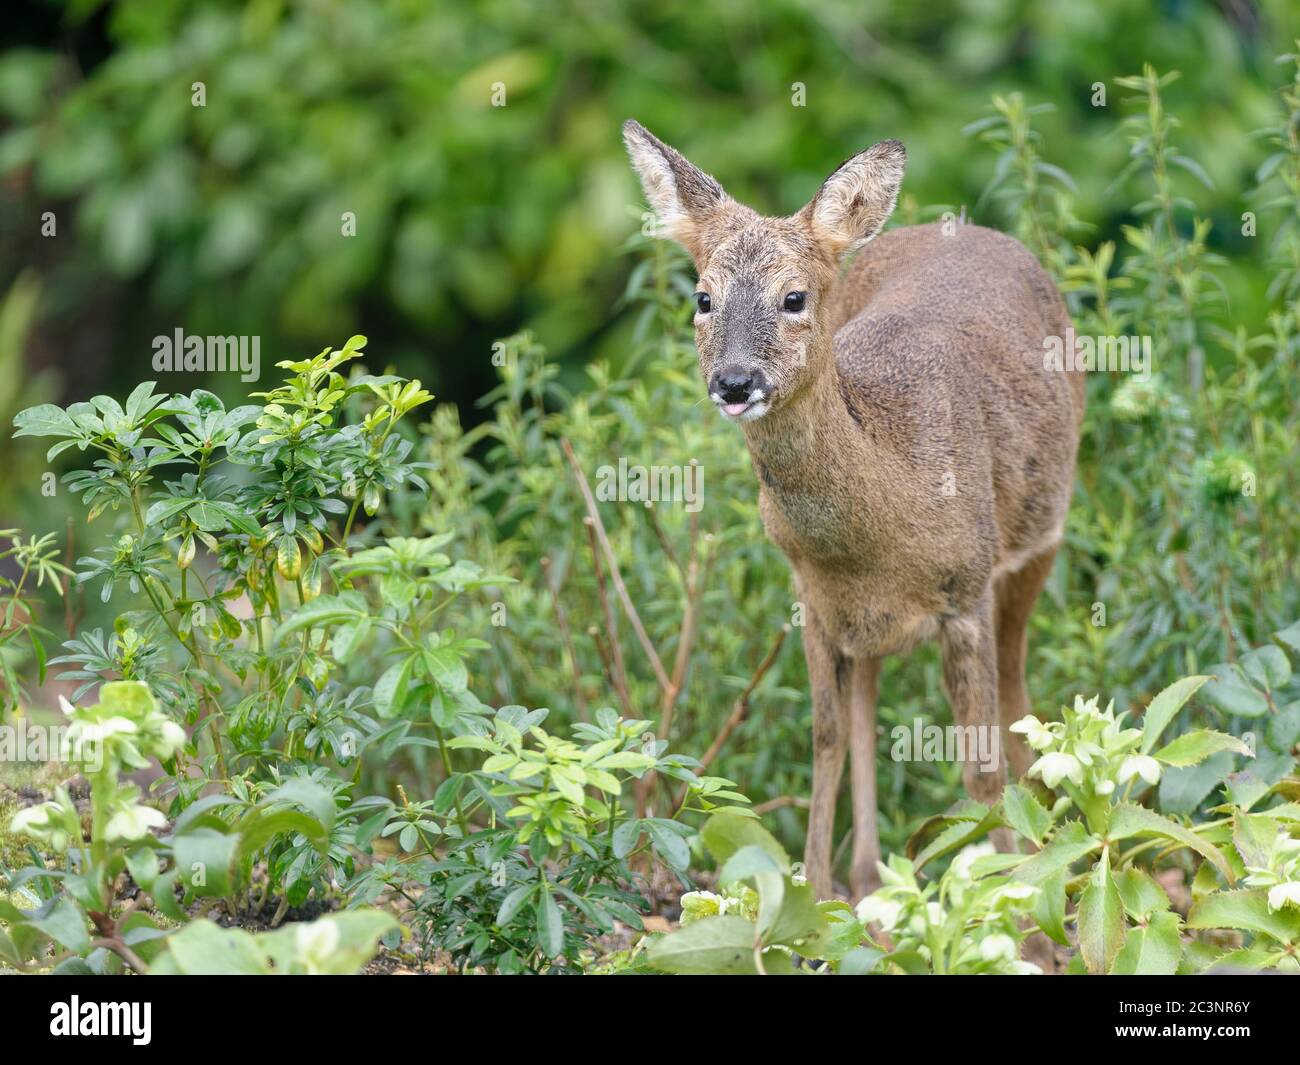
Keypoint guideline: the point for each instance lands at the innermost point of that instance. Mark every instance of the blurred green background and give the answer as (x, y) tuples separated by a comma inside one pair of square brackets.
[(474, 221)]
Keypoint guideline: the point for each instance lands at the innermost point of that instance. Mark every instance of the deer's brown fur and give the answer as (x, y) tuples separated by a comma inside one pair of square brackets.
[(915, 457)]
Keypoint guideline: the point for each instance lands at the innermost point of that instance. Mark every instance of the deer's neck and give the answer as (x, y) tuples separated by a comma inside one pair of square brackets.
[(825, 474)]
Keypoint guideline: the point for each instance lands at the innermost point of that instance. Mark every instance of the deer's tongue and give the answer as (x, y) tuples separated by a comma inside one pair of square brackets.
[(735, 408)]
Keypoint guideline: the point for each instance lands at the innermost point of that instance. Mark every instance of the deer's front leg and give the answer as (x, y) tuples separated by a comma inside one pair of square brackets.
[(830, 677), (864, 877), (970, 674)]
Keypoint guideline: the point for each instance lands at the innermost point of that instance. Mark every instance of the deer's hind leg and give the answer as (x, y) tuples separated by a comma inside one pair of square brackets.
[(970, 673), (1016, 594)]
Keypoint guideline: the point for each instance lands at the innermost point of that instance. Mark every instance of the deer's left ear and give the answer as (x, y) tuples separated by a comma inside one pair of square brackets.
[(856, 201), (682, 195)]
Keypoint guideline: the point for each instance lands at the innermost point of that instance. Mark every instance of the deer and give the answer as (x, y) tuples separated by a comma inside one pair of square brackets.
[(914, 449)]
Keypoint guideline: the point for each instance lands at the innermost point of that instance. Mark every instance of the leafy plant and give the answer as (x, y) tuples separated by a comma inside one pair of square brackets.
[(523, 861), (78, 906)]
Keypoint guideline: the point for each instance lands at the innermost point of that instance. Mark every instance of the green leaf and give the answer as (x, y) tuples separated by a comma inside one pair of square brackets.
[(725, 833), (1025, 813), (1128, 819), (1100, 919), (446, 668), (625, 838), (390, 689), (668, 845), (1253, 836), (1230, 693), (207, 860), (203, 949), (957, 835), (1049, 907), (1245, 910), (1070, 842), (747, 862), (861, 961), (324, 610), (63, 922), (1153, 950), (550, 924), (1165, 706), (1141, 894), (1266, 667), (1289, 637), (798, 921), (45, 420), (311, 795), (262, 826), (722, 946), (513, 903), (1183, 790), (1192, 748)]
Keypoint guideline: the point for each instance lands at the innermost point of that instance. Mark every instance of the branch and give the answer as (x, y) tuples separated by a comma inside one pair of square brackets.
[(614, 573), (740, 709)]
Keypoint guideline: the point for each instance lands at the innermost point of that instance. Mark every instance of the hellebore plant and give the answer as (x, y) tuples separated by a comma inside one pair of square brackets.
[(971, 921), (123, 732)]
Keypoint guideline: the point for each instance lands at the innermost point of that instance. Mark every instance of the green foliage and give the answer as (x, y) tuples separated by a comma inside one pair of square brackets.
[(76, 906), (335, 945), (555, 867), (1094, 865)]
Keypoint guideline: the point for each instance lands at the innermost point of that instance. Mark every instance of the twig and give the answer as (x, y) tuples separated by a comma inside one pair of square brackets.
[(617, 670), (614, 573), (782, 801), (740, 708), (603, 651)]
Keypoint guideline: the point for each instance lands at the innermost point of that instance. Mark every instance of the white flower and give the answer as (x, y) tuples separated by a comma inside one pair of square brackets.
[(1105, 787), (1037, 734), (316, 943), (1025, 968), (875, 910), (998, 947), (42, 822), (1139, 765), (966, 858), (1284, 895), (134, 822), (1088, 709), (1057, 766), (67, 708), (1086, 751), (170, 739), (1014, 892), (99, 731)]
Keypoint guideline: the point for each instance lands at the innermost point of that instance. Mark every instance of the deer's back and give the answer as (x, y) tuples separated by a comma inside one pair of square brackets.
[(940, 347)]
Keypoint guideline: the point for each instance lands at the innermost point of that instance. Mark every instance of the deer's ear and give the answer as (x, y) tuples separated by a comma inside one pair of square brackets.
[(856, 201), (682, 195)]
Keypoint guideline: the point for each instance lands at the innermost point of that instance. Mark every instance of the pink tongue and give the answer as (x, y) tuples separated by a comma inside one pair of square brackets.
[(734, 408)]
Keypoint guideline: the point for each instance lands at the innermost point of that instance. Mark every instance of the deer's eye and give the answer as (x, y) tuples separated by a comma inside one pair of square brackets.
[(703, 302), (794, 301)]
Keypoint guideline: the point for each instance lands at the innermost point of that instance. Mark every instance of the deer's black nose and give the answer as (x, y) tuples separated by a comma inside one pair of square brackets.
[(733, 385)]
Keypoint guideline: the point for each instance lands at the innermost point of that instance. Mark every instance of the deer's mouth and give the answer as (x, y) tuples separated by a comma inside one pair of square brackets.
[(758, 404)]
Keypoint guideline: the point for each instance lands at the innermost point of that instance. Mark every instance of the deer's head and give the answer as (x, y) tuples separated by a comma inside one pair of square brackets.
[(761, 302)]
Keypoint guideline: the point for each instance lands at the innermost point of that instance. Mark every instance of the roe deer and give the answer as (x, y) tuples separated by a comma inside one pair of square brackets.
[(914, 452)]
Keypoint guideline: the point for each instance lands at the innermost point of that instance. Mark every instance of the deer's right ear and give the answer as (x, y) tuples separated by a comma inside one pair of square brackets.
[(682, 195)]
